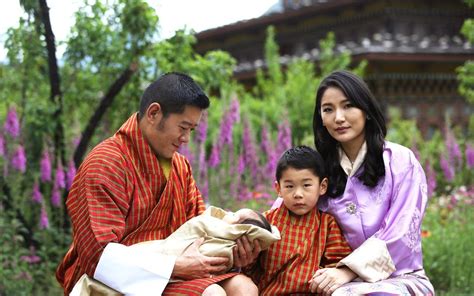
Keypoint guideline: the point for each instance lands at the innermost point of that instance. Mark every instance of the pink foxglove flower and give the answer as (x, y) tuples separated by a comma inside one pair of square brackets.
[(45, 167), (18, 160), (12, 124), (56, 197), (60, 179), (71, 173), (37, 196), (44, 221)]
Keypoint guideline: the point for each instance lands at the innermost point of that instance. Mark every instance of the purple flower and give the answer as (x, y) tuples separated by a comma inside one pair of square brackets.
[(71, 173), (44, 222), (204, 188), (45, 167), (2, 146), (76, 141), (201, 132), (12, 125), (415, 150), (18, 160), (32, 258), (184, 150), (37, 196), (241, 165), (215, 157), (430, 178), (470, 155), (284, 137), (60, 179), (454, 152), (250, 154), (447, 169), (56, 197)]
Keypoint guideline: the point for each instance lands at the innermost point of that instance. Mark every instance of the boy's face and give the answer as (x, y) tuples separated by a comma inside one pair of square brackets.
[(300, 190)]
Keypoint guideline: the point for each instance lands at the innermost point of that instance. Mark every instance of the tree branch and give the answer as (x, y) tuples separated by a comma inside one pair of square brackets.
[(105, 103)]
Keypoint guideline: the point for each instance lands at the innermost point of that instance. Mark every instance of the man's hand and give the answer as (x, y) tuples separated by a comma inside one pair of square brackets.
[(194, 265), (326, 280), (245, 253)]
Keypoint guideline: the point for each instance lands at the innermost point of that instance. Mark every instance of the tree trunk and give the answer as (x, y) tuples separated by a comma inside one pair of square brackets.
[(55, 82)]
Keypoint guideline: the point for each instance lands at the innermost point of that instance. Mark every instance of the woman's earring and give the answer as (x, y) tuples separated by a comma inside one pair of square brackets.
[(367, 117)]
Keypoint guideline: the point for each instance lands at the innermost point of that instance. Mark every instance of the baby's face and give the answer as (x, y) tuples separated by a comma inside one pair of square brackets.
[(239, 216)]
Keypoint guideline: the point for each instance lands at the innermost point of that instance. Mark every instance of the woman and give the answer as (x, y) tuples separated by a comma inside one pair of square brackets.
[(377, 193)]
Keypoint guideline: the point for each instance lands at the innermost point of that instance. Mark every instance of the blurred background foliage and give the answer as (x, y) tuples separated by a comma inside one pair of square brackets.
[(111, 56)]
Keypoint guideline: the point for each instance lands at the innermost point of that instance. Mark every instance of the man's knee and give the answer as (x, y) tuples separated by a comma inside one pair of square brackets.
[(240, 285)]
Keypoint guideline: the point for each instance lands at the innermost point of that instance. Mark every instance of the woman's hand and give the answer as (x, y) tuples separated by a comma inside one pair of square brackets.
[(326, 280), (245, 253)]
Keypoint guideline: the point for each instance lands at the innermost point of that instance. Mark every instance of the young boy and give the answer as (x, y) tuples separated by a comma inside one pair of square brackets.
[(310, 239)]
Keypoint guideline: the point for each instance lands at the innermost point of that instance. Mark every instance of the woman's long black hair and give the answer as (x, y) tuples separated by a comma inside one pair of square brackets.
[(357, 91)]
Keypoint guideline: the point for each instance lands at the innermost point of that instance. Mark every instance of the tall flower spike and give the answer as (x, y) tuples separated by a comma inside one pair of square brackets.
[(36, 195), (284, 137), (60, 179), (2, 145), (44, 221), (18, 160), (45, 167), (469, 155), (56, 196), (12, 124), (201, 132), (71, 173), (447, 169)]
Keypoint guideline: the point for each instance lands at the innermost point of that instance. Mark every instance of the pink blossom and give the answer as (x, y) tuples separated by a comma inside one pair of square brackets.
[(184, 150), (37, 196), (2, 146), (12, 124), (56, 197), (45, 167), (18, 160), (284, 137), (60, 180), (470, 155), (71, 173), (201, 131), (430, 178), (447, 169), (44, 222)]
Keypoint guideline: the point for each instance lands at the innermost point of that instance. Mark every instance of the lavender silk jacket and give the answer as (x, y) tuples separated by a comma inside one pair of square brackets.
[(391, 211)]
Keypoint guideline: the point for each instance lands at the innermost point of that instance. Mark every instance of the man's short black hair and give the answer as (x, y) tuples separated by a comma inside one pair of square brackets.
[(300, 158), (173, 91)]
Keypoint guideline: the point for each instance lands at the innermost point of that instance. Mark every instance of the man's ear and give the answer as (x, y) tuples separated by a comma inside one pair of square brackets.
[(276, 185), (153, 112), (323, 186)]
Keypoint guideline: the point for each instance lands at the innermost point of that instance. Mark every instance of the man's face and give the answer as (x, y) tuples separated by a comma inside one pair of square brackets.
[(166, 134)]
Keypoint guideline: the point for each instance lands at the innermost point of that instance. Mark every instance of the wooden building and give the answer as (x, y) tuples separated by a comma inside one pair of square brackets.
[(412, 47)]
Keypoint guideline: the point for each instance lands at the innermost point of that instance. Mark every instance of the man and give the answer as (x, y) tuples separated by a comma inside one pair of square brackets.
[(134, 187)]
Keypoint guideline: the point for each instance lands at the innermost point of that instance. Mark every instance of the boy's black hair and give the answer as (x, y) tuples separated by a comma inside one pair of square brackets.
[(173, 91), (263, 222), (300, 158)]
